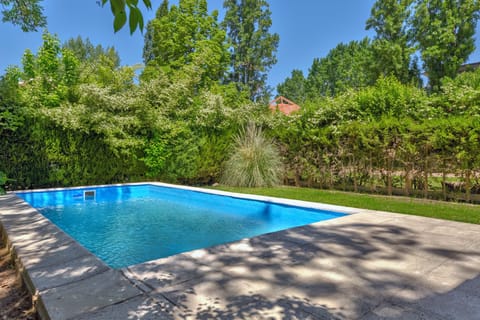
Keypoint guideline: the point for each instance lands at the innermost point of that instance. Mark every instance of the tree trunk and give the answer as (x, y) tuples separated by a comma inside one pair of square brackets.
[(297, 177), (389, 176), (444, 180), (330, 178), (425, 180), (468, 187), (372, 175), (408, 180)]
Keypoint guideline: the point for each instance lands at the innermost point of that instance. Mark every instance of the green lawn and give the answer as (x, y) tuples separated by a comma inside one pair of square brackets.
[(435, 209)]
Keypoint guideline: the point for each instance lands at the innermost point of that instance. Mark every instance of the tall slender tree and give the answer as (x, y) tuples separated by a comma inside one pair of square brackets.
[(393, 46), (444, 31), (252, 46), (185, 35)]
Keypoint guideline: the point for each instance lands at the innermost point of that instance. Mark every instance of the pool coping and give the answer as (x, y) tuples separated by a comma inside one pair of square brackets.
[(66, 280)]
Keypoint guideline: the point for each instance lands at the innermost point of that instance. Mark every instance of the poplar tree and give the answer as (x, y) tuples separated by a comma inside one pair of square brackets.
[(252, 46), (444, 31), (393, 46), (186, 35)]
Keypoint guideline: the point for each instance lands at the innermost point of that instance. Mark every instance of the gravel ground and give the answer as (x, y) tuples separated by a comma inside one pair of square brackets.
[(15, 301)]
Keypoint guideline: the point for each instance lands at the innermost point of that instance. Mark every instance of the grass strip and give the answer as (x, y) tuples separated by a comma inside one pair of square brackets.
[(427, 208)]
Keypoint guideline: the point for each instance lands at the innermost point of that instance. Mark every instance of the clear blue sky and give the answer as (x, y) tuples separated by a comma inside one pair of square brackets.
[(307, 29)]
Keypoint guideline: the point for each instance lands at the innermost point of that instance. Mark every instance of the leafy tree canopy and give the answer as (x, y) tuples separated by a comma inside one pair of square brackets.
[(345, 67), (85, 51), (27, 14), (444, 31), (186, 35), (293, 87), (252, 46), (393, 46)]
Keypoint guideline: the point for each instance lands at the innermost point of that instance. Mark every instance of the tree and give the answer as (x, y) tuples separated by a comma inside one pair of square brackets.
[(49, 76), (293, 87), (186, 35), (85, 51), (252, 46), (11, 117), (150, 50), (98, 65), (345, 66), (393, 46), (444, 31), (28, 14)]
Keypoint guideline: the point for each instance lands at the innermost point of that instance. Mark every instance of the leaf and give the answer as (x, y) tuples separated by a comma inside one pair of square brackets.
[(133, 20), (148, 4), (117, 6), (140, 20), (132, 3), (120, 20)]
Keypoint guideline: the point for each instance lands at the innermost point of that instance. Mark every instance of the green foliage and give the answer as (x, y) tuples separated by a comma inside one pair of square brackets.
[(253, 47), (444, 31), (255, 162), (347, 66), (28, 14), (185, 35), (3, 181), (389, 97), (11, 113), (86, 52), (293, 88), (172, 154), (459, 96), (135, 17), (393, 47)]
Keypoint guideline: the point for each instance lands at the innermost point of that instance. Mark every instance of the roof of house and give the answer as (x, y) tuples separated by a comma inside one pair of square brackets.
[(469, 67), (283, 105)]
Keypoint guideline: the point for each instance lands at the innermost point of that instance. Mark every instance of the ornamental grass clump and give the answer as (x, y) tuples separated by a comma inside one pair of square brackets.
[(255, 161)]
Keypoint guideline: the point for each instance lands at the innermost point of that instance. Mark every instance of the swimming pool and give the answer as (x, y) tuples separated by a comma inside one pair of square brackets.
[(130, 224)]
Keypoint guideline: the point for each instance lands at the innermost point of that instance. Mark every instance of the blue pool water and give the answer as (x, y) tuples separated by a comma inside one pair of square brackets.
[(126, 225)]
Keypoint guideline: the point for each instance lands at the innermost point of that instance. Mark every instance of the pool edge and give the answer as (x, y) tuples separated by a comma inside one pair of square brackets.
[(32, 239), (49, 303)]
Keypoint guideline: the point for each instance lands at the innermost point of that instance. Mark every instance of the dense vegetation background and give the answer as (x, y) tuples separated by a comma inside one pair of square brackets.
[(71, 115)]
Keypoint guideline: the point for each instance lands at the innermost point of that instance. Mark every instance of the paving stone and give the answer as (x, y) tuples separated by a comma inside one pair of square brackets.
[(67, 272), (457, 230), (455, 304), (140, 307), (52, 256), (168, 271), (413, 223), (452, 274), (41, 243), (18, 221), (88, 295), (388, 311)]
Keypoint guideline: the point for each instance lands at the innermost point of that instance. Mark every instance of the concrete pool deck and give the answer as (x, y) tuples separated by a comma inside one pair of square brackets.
[(367, 265)]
